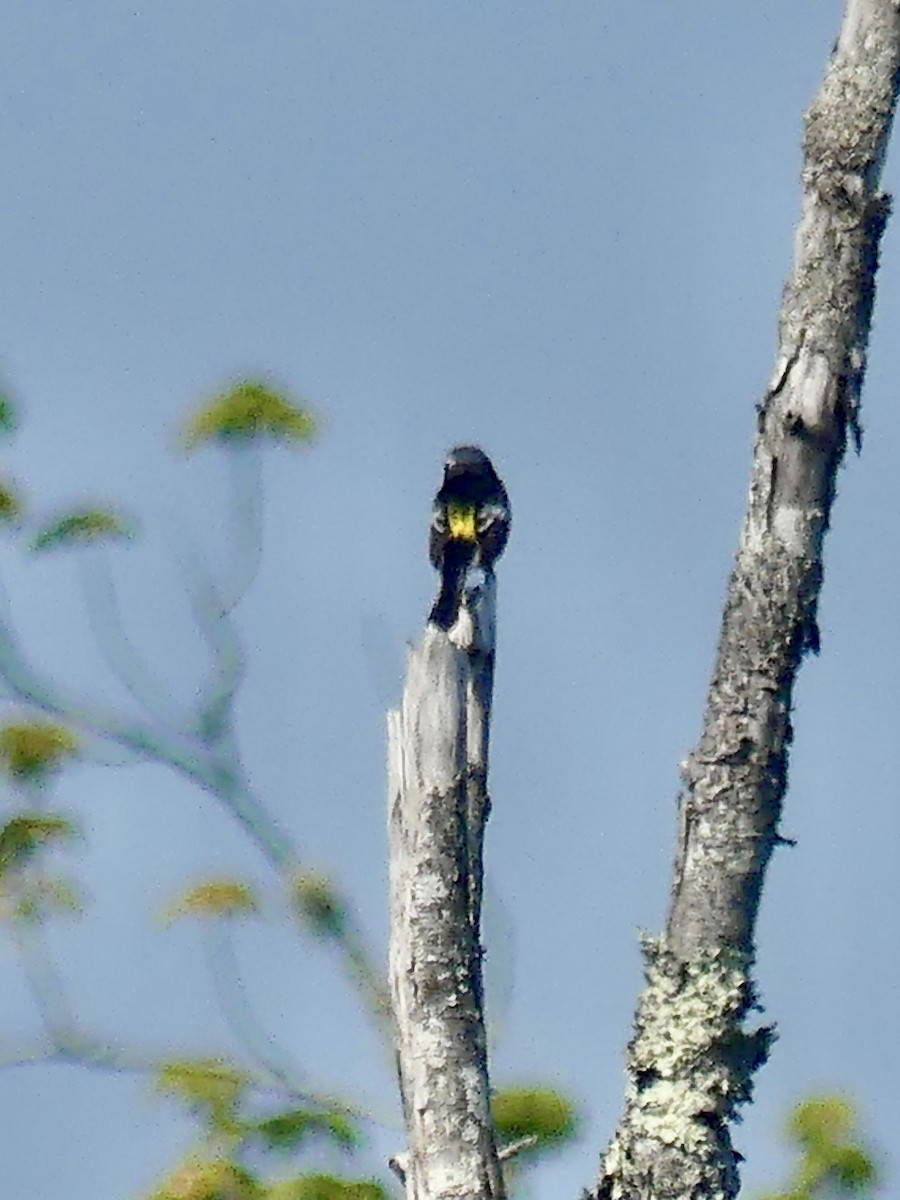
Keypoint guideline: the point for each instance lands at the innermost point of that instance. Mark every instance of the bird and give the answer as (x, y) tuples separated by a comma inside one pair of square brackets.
[(470, 523)]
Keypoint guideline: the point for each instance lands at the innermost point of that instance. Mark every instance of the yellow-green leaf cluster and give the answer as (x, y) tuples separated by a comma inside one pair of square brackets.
[(10, 504), (287, 1131), (36, 898), (318, 905), (209, 1179), (326, 1187), (833, 1161), (214, 898), (535, 1112), (248, 410), (9, 420), (31, 750), (208, 1086), (25, 834), (81, 527)]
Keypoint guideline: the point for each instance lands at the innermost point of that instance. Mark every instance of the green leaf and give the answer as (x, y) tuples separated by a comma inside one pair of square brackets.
[(288, 1130), (209, 1179), (318, 905), (832, 1162), (30, 750), (82, 527), (535, 1112), (214, 898), (9, 420), (326, 1187), (10, 504), (246, 411), (40, 897), (820, 1121), (22, 836), (853, 1169), (208, 1086)]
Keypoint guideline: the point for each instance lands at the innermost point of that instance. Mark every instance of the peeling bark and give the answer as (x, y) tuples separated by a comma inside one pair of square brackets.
[(690, 1064), (438, 805)]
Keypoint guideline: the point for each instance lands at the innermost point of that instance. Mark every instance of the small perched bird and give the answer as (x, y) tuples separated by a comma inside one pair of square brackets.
[(469, 526)]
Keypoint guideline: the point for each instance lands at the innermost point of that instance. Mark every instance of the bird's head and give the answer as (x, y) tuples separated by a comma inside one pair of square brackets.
[(462, 459)]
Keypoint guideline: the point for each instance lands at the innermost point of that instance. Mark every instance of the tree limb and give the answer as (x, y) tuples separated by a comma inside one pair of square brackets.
[(690, 1063)]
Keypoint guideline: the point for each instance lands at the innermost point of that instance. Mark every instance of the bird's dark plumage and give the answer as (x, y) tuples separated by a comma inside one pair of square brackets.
[(470, 524)]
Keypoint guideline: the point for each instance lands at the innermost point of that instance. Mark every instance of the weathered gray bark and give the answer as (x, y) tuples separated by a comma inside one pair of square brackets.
[(437, 808), (690, 1063)]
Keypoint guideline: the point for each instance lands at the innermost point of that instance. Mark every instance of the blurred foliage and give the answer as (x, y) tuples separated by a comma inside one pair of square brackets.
[(215, 1091), (533, 1112), (239, 1116), (22, 836), (326, 1187), (31, 750), (246, 411), (218, 1093), (10, 504), (39, 897), (9, 420), (288, 1131), (833, 1160), (214, 898), (33, 896), (221, 1178), (209, 1179), (82, 526), (211, 1088), (318, 905)]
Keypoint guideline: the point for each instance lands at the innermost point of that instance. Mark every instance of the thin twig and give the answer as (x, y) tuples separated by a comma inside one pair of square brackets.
[(45, 982), (115, 646), (235, 1006), (247, 526), (106, 1057), (214, 709), (371, 983)]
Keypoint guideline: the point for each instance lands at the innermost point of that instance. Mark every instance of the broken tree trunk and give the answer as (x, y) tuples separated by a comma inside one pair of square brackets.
[(437, 808)]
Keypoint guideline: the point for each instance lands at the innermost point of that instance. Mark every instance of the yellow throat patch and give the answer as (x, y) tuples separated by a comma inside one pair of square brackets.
[(461, 519)]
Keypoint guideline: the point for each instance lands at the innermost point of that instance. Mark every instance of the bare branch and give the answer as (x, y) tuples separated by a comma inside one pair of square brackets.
[(690, 1063), (96, 1055), (217, 768), (67, 1044), (245, 468), (437, 754), (370, 982), (511, 1149), (105, 617), (206, 754), (214, 767), (213, 711), (46, 985), (26, 684), (236, 1007)]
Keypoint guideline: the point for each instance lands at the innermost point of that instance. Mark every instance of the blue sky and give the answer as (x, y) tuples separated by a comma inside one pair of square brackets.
[(560, 231)]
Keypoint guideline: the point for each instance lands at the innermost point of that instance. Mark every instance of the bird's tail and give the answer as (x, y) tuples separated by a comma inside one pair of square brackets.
[(454, 564)]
